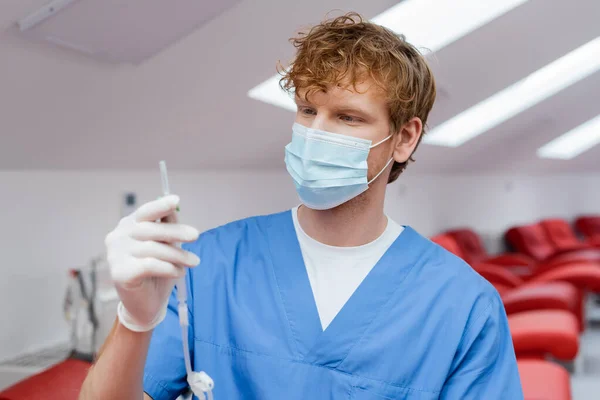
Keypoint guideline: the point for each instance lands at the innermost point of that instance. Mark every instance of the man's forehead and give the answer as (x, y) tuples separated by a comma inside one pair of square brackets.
[(342, 91)]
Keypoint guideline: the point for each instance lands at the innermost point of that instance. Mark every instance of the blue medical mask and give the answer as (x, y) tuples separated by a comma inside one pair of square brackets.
[(328, 169)]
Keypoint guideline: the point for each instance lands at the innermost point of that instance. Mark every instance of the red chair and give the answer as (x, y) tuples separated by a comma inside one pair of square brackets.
[(537, 333), (474, 252), (60, 382), (518, 295), (544, 319), (526, 267), (543, 380), (589, 226), (532, 241), (562, 236)]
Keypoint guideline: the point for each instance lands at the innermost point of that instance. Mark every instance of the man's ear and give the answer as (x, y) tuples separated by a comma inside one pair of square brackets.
[(407, 139)]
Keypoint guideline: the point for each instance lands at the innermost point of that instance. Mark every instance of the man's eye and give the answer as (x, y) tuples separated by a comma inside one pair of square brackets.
[(349, 118), (306, 111)]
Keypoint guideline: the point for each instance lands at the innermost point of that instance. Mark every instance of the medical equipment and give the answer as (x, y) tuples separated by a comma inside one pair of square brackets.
[(200, 383), (89, 307), (79, 308)]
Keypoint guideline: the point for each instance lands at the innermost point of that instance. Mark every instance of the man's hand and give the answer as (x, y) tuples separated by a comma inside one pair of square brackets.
[(145, 260)]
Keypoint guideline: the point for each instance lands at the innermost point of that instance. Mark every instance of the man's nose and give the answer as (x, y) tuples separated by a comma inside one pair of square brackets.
[(321, 122)]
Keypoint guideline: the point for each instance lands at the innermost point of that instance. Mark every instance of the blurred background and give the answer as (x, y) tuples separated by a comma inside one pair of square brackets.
[(93, 93)]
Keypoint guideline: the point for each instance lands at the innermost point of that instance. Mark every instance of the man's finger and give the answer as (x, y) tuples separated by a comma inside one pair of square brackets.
[(157, 209), (170, 233), (165, 252), (151, 267)]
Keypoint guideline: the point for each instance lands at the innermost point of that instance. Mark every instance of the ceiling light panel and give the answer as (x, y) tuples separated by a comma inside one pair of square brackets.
[(574, 142), (507, 103), (427, 24)]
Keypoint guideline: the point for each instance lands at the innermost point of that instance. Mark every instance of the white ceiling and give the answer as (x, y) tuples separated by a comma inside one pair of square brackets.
[(188, 104)]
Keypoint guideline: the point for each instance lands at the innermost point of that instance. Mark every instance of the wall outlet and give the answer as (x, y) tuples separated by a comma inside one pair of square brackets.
[(129, 204)]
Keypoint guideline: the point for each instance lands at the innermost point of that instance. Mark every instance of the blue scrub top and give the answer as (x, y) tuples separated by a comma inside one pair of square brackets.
[(422, 325)]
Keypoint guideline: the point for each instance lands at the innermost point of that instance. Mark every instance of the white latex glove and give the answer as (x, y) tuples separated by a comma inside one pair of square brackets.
[(145, 261)]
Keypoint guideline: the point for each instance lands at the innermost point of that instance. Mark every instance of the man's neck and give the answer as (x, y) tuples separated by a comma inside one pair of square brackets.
[(355, 223)]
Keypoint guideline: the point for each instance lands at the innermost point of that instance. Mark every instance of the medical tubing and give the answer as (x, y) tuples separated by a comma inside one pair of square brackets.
[(199, 382), (184, 321)]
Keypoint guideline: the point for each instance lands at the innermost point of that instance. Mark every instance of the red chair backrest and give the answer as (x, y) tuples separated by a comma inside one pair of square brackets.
[(560, 234), (448, 242), (470, 244), (530, 240), (589, 225), (501, 279)]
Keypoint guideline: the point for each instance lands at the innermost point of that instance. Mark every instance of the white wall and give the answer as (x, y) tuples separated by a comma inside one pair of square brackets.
[(490, 203), (52, 221)]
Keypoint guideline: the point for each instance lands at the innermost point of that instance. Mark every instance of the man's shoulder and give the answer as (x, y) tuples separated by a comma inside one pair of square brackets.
[(457, 281), (457, 268), (233, 232), (257, 221)]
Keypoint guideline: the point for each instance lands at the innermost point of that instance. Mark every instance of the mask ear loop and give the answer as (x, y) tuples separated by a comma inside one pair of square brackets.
[(386, 165), (380, 172), (378, 143)]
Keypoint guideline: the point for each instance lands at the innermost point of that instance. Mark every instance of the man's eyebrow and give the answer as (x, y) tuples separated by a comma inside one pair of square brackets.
[(300, 100), (354, 110)]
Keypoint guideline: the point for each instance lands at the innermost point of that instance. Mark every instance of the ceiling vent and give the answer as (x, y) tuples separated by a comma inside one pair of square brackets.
[(119, 31)]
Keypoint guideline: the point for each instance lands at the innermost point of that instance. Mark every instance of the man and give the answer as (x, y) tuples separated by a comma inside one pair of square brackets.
[(332, 300)]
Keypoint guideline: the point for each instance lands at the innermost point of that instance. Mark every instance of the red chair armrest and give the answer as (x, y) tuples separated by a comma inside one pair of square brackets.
[(511, 259), (545, 332), (551, 296), (544, 380), (545, 296), (567, 257), (585, 276), (496, 274)]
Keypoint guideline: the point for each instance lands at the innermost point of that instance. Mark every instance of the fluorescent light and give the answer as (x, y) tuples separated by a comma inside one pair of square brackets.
[(428, 24), (270, 92), (574, 142), (433, 24), (507, 103)]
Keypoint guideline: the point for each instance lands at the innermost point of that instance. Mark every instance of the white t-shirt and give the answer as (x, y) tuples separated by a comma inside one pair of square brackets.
[(336, 272)]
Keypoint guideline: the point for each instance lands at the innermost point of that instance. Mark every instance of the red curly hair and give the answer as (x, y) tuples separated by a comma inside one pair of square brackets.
[(346, 49)]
